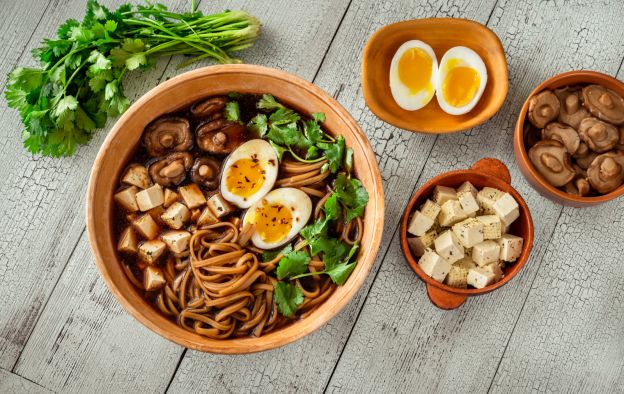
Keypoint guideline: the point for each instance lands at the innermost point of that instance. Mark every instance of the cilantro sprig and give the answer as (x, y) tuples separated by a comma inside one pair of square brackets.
[(304, 139), (80, 81)]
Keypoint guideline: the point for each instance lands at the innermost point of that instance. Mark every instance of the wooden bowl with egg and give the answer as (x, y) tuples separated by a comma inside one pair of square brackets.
[(486, 172), (522, 130), (179, 92), (440, 34)]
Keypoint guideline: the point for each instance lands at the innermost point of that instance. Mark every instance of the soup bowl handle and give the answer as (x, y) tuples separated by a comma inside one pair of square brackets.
[(444, 299), (493, 167)]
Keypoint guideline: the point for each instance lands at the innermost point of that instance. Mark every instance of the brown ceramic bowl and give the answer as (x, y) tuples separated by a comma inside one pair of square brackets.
[(583, 77), (441, 34), (485, 172), (179, 92)]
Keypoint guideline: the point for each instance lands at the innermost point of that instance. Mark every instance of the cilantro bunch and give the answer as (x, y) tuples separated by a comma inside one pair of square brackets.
[(79, 84)]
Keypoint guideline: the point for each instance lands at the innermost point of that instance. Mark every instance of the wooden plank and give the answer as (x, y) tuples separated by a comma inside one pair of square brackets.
[(306, 365), (18, 23), (11, 383), (569, 333), (43, 210), (401, 342), (84, 340)]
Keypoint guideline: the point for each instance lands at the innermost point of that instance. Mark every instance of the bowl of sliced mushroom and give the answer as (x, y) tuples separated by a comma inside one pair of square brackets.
[(569, 138)]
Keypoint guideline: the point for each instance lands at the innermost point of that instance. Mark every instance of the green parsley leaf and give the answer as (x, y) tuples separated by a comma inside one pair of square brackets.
[(287, 297), (268, 102), (294, 263), (352, 194), (232, 111)]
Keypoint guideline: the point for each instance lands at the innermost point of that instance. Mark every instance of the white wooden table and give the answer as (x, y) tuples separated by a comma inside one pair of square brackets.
[(557, 327)]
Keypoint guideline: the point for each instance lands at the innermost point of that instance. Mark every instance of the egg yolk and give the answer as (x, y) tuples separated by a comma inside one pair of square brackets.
[(415, 68), (244, 177), (460, 85), (273, 222)]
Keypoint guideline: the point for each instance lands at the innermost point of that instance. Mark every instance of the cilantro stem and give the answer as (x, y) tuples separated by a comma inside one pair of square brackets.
[(309, 161)]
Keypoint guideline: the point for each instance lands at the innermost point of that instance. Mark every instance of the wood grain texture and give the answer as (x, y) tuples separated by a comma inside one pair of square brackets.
[(401, 342), (569, 333), (305, 366), (11, 383), (73, 346), (43, 214)]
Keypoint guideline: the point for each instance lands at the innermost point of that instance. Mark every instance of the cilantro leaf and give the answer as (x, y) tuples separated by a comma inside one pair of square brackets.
[(268, 102), (313, 131), (271, 254), (287, 297), (294, 263), (319, 117), (352, 194), (279, 150), (232, 111), (135, 60), (348, 160), (334, 153), (332, 208), (339, 273), (259, 124)]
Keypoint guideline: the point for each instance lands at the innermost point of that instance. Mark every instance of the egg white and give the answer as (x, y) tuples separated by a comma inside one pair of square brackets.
[(267, 158), (401, 93), (295, 200), (469, 58)]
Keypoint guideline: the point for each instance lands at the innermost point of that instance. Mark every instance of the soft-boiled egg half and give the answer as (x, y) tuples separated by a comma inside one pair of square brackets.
[(278, 217), (249, 173), (413, 75), (461, 80)]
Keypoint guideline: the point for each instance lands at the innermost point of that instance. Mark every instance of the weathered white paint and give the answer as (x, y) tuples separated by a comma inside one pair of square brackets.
[(11, 383)]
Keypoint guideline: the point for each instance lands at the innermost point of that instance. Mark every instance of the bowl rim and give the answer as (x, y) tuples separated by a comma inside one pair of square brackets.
[(315, 321), (527, 246), (383, 115), (522, 151)]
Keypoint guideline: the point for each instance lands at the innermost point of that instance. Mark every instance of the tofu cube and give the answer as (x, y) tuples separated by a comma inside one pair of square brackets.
[(192, 196), (176, 215), (170, 197), (442, 194), (418, 245), (219, 206), (457, 277), (127, 198), (128, 241), (469, 232), (468, 203), (177, 241), (146, 226), (434, 265), (451, 213), (153, 278), (510, 247), (466, 262), (138, 176), (156, 214), (430, 209), (195, 214), (448, 246), (485, 253), (150, 251), (419, 224), (495, 268), (491, 226), (207, 218), (150, 198), (486, 198), (480, 277), (507, 209), (468, 187)]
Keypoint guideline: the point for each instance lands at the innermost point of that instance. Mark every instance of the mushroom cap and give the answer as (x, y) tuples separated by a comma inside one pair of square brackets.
[(572, 110), (620, 144), (220, 136), (167, 134), (586, 160), (578, 187), (598, 135), (564, 134), (604, 103), (205, 172), (551, 159), (606, 172), (543, 108), (210, 107), (531, 135), (171, 169)]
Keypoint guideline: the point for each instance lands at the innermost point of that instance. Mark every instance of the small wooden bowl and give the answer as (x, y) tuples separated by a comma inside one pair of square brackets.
[(485, 172), (581, 77), (441, 34), (175, 94)]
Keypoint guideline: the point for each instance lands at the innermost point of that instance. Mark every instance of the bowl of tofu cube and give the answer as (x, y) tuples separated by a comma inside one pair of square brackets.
[(466, 233)]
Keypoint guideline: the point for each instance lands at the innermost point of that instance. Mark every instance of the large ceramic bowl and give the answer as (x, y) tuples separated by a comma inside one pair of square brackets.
[(180, 92), (581, 77)]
